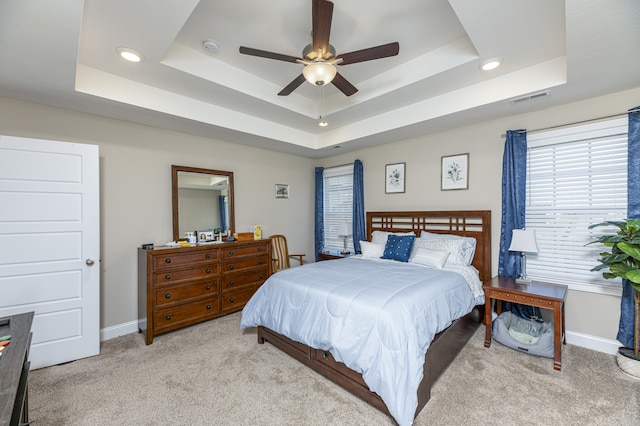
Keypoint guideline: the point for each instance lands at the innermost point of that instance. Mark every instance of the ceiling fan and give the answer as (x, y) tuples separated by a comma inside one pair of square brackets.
[(319, 57)]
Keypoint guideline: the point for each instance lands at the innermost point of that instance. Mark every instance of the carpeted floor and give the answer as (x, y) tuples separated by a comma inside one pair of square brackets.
[(216, 374)]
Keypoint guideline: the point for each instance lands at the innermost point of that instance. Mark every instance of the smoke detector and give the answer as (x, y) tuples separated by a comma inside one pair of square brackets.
[(210, 46)]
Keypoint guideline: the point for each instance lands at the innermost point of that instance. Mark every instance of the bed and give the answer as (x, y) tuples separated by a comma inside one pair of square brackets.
[(418, 352)]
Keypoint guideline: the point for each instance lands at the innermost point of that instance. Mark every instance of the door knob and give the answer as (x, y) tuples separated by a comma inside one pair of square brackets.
[(90, 262)]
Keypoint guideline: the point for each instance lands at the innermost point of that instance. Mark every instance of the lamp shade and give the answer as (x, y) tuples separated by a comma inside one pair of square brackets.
[(345, 229), (319, 73), (524, 240)]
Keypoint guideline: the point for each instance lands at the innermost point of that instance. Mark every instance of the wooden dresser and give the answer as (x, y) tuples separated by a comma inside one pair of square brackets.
[(181, 286)]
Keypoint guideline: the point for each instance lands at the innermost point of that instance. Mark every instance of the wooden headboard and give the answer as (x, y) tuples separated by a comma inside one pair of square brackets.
[(466, 223)]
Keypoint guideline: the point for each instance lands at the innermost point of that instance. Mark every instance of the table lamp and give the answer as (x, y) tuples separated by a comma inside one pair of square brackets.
[(345, 232), (524, 241)]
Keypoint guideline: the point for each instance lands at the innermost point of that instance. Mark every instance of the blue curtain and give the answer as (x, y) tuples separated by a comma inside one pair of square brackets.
[(514, 177), (319, 238), (222, 203), (627, 307), (359, 226)]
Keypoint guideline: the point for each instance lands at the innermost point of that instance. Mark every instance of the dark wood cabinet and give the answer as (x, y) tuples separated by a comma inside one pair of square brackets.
[(182, 286), (330, 255), (14, 370)]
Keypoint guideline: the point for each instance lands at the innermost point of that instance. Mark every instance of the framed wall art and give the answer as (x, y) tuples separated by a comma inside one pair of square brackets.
[(282, 190), (394, 178), (455, 172)]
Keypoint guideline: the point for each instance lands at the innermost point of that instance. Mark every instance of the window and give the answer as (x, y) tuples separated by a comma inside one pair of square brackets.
[(338, 205), (576, 177)]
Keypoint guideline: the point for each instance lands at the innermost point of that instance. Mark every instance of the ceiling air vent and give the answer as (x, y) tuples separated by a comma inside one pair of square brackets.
[(529, 97)]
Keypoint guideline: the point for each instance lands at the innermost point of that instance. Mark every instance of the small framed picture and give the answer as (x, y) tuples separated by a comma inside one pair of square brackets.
[(394, 178), (455, 172), (282, 190)]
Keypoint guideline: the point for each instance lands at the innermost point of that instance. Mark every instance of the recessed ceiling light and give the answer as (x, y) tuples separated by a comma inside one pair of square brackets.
[(490, 64), (129, 54)]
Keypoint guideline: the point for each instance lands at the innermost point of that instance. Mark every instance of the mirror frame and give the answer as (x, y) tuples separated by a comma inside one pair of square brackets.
[(174, 195)]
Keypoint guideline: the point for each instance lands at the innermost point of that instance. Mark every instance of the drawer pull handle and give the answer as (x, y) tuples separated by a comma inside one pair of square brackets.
[(260, 276), (259, 248), (259, 261), (325, 355), (167, 277), (230, 266), (207, 270), (231, 253), (208, 306), (232, 300), (167, 296), (231, 283), (208, 255), (167, 260), (208, 287), (167, 317)]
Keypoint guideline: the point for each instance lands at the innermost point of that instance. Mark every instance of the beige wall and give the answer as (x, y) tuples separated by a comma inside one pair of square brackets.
[(136, 195), (586, 313), (135, 186)]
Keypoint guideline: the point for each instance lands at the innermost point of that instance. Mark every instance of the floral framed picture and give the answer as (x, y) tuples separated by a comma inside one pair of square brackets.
[(394, 178), (455, 172), (282, 190)]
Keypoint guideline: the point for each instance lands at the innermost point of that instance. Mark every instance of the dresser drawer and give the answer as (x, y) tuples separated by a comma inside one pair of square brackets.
[(180, 293), (235, 300), (190, 313), (240, 264), (180, 259), (253, 277), (234, 252), (174, 276)]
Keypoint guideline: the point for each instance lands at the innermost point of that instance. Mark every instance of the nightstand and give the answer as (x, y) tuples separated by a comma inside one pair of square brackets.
[(539, 294), (330, 255)]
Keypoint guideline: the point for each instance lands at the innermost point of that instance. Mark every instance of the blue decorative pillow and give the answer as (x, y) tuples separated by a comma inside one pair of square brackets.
[(398, 247)]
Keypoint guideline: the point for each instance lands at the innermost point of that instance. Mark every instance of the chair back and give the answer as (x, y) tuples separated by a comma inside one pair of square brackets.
[(279, 253)]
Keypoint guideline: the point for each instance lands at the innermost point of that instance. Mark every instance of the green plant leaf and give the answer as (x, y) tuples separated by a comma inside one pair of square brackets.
[(634, 277), (630, 249)]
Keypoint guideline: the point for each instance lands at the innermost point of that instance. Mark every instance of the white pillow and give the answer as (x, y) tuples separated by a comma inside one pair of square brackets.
[(381, 236), (469, 245), (371, 250), (427, 257), (460, 252)]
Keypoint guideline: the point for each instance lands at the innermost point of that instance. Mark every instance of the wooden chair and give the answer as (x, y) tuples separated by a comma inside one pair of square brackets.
[(280, 253)]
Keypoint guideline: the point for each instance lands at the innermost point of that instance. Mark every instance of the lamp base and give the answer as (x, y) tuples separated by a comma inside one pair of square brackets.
[(523, 280)]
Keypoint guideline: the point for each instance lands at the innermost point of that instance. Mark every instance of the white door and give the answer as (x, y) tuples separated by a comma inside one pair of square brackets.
[(50, 245)]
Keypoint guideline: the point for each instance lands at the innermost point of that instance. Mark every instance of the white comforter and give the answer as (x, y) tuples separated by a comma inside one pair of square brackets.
[(377, 317)]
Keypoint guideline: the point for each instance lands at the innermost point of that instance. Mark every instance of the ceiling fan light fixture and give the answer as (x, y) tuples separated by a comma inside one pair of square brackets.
[(319, 73), (322, 122), (129, 54)]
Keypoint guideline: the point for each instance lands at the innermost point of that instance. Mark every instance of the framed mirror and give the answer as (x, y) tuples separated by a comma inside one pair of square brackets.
[(202, 200)]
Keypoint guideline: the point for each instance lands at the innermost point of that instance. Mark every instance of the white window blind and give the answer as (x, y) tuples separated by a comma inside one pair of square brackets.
[(338, 205), (576, 177)]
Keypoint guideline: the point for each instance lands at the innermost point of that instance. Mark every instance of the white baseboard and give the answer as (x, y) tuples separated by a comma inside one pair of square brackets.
[(595, 343), (118, 330)]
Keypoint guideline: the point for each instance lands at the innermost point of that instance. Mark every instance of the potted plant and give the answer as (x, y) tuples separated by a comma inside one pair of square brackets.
[(623, 261)]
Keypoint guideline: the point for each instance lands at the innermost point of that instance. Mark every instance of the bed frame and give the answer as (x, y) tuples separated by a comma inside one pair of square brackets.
[(446, 344)]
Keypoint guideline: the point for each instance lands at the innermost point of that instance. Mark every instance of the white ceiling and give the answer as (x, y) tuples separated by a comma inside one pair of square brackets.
[(63, 53)]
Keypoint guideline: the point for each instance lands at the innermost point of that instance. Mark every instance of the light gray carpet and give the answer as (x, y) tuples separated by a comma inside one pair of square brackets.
[(216, 374)]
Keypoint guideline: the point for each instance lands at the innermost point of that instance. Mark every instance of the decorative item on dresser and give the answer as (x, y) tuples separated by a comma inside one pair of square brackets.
[(178, 287)]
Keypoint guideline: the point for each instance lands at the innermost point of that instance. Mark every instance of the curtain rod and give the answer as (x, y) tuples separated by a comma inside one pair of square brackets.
[(637, 109)]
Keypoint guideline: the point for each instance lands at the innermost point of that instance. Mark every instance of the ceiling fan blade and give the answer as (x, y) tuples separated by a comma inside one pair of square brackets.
[(292, 86), (343, 85), (378, 52), (322, 13), (268, 55)]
